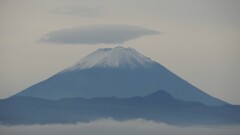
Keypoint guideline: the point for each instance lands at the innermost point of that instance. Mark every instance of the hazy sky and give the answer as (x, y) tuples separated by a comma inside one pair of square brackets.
[(111, 127), (199, 40)]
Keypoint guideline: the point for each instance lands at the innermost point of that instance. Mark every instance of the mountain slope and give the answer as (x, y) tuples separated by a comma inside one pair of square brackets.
[(120, 72)]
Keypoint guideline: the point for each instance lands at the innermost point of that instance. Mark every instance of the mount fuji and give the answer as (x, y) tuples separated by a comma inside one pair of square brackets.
[(116, 72)]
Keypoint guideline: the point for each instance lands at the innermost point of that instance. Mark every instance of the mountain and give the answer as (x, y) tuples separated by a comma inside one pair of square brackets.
[(120, 72), (159, 106)]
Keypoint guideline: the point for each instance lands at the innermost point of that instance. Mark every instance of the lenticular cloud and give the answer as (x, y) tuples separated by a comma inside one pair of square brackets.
[(97, 34)]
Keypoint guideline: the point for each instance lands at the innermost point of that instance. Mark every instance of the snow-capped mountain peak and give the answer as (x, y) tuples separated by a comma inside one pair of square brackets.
[(118, 72), (118, 57)]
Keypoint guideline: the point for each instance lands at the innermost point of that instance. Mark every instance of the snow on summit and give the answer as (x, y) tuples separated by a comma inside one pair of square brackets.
[(118, 57)]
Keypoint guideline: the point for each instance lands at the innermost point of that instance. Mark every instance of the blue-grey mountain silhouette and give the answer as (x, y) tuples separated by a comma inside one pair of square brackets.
[(119, 72), (159, 106)]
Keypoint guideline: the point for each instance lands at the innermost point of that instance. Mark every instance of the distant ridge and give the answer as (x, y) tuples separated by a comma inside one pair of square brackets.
[(159, 106)]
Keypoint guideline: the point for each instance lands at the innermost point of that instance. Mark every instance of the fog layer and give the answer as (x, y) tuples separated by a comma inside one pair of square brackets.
[(112, 127)]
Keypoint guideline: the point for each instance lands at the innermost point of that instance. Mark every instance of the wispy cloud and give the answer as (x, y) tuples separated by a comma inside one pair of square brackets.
[(81, 11), (97, 34)]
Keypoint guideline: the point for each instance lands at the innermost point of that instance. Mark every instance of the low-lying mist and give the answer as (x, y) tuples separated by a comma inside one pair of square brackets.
[(113, 127)]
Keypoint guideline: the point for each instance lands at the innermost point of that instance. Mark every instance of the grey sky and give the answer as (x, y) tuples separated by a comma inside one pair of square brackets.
[(97, 34), (79, 11), (200, 40)]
